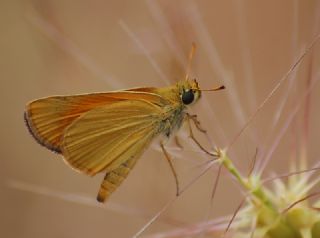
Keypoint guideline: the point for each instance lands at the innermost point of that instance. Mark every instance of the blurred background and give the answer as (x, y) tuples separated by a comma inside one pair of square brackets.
[(67, 47)]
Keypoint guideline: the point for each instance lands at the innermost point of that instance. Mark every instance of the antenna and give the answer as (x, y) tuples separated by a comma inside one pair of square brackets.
[(191, 54), (214, 89)]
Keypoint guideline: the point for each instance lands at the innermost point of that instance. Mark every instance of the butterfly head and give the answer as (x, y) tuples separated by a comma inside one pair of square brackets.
[(190, 91)]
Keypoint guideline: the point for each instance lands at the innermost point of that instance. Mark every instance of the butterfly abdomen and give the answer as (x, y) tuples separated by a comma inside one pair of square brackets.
[(113, 179)]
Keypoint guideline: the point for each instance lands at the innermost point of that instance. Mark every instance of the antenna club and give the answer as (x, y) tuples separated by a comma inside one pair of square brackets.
[(214, 89)]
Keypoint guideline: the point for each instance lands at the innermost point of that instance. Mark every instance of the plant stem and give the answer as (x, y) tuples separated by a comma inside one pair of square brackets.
[(250, 184)]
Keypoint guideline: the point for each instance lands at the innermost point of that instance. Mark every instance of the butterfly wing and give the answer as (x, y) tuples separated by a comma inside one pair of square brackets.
[(108, 136), (47, 118)]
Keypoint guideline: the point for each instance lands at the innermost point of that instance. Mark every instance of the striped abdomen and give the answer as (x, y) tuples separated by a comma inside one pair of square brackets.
[(113, 179)]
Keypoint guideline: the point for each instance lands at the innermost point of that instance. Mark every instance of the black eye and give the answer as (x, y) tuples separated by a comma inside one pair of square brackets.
[(187, 97)]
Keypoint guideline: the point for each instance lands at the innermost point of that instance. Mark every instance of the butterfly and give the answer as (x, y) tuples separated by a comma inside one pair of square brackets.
[(108, 132)]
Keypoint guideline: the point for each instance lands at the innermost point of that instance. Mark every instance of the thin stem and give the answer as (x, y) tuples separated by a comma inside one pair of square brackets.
[(255, 188)]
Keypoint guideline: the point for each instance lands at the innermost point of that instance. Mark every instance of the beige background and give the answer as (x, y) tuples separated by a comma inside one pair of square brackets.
[(70, 47)]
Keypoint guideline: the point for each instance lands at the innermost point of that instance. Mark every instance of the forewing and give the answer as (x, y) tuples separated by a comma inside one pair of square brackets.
[(106, 137), (47, 118)]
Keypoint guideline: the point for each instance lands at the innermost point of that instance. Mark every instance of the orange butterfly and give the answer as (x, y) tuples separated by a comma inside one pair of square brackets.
[(108, 132)]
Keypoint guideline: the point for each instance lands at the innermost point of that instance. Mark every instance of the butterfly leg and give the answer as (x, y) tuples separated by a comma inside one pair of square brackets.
[(168, 157), (114, 178), (197, 124)]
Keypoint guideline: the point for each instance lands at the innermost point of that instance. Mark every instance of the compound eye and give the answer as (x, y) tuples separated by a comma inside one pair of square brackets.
[(187, 97)]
